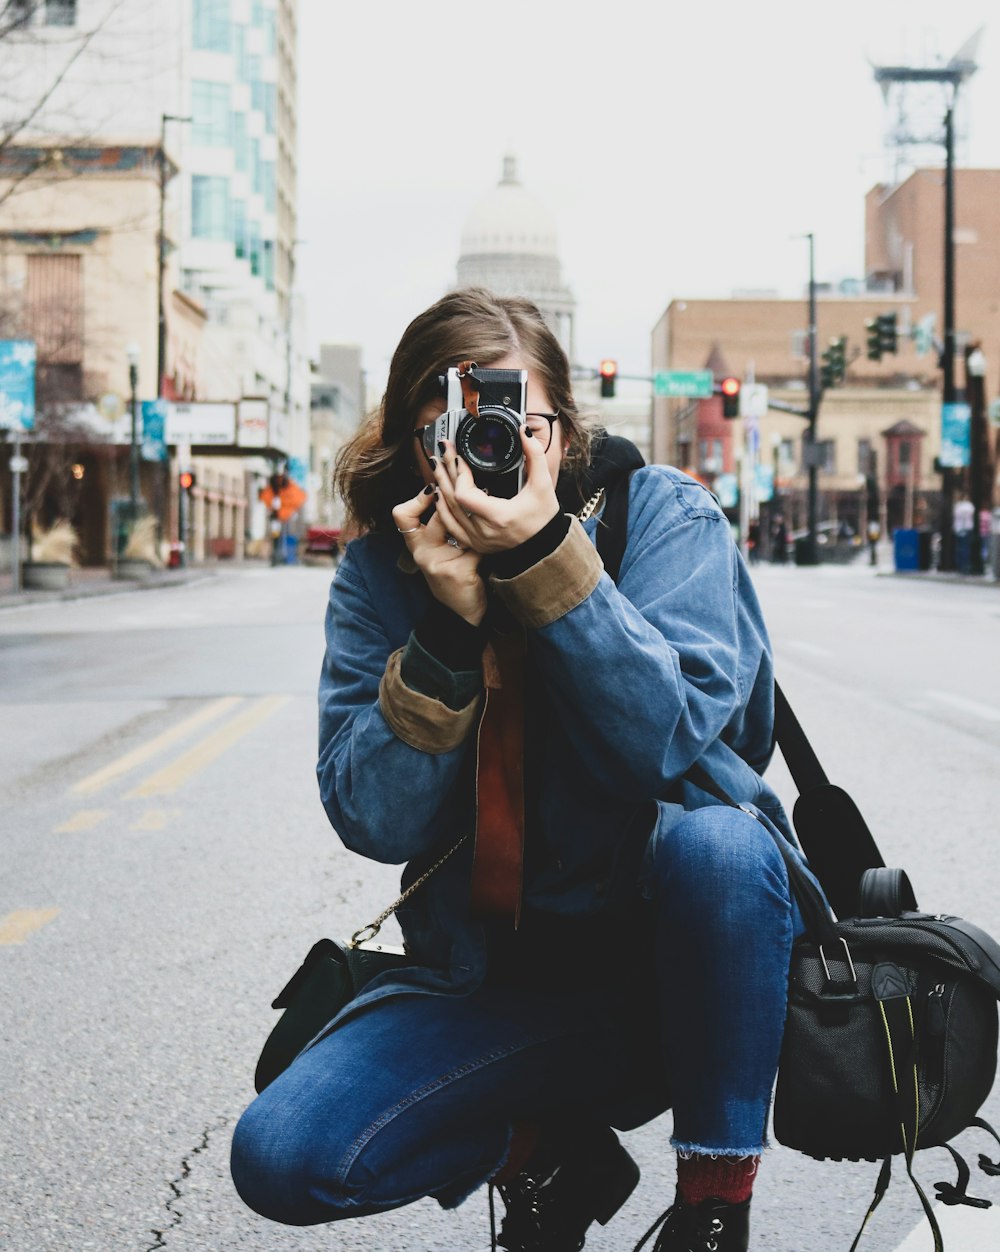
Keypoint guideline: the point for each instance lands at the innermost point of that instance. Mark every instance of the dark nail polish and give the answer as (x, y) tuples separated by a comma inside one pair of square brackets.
[(432, 462), (441, 447), (429, 489), (529, 432)]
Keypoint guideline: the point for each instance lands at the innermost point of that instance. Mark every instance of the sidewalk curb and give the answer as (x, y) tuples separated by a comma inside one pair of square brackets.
[(103, 587)]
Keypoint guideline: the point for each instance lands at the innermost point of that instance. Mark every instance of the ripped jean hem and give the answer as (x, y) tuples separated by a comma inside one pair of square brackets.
[(688, 1150)]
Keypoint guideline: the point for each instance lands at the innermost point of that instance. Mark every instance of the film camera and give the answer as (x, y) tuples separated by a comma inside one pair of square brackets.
[(484, 417)]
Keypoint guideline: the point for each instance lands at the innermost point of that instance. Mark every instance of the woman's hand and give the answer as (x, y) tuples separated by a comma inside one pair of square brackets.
[(452, 573), (491, 524)]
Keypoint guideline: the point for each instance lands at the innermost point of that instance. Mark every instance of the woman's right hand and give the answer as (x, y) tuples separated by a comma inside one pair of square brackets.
[(452, 573)]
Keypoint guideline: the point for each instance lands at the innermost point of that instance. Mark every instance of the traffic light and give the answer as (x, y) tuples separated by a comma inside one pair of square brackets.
[(187, 480), (888, 337), (609, 372), (834, 368), (873, 339), (730, 388)]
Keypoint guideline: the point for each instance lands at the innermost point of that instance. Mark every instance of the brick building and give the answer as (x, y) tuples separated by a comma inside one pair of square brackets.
[(889, 408)]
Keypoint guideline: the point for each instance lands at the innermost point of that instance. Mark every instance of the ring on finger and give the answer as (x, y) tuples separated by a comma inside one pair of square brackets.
[(412, 530), (453, 543)]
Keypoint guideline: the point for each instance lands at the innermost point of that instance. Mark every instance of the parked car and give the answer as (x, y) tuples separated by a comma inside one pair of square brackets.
[(835, 541), (323, 541)]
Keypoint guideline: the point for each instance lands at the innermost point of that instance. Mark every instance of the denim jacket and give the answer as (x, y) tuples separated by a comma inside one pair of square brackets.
[(642, 679)]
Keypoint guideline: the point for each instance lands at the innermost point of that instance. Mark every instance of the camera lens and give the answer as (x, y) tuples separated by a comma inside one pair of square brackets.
[(490, 443)]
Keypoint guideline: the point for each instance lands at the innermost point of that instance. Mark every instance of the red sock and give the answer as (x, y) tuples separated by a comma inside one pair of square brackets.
[(728, 1178)]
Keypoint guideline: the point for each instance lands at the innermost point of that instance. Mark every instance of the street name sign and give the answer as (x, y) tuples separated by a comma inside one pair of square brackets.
[(684, 384)]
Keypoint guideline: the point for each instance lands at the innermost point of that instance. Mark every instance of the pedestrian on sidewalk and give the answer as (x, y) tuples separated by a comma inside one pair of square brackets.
[(643, 963)]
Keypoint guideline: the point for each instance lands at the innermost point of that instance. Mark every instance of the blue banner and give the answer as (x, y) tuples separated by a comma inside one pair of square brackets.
[(956, 427), (154, 430), (298, 469), (17, 384)]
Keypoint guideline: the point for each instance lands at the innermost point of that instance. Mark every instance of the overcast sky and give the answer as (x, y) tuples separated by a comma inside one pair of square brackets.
[(678, 146)]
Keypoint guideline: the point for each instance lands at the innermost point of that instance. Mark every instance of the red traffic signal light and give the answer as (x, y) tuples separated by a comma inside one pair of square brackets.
[(730, 388), (609, 372), (187, 480)]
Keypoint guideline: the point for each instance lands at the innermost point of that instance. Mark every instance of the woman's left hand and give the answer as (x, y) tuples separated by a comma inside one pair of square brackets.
[(493, 524)]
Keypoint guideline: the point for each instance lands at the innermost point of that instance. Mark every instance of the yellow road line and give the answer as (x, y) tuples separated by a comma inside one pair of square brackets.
[(17, 926), (153, 819), (209, 749), (85, 819), (140, 755)]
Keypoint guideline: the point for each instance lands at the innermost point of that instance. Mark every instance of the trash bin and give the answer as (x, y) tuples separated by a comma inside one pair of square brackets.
[(803, 551), (906, 549)]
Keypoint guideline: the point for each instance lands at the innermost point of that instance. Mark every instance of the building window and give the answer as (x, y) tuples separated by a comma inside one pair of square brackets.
[(53, 307), (826, 456), (19, 14), (268, 187), (211, 25), (241, 145), (710, 456), (60, 12), (210, 110), (800, 345), (211, 210), (240, 235), (865, 456), (268, 264)]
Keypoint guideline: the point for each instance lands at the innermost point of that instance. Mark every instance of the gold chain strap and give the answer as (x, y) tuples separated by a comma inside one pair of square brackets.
[(367, 933)]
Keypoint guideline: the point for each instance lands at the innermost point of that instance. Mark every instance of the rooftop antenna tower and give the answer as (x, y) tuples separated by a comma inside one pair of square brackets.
[(917, 98)]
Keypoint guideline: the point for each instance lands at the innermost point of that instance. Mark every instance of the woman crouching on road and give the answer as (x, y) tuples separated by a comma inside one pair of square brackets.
[(631, 953)]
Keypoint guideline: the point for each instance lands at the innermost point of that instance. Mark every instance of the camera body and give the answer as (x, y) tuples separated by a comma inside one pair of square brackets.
[(488, 442)]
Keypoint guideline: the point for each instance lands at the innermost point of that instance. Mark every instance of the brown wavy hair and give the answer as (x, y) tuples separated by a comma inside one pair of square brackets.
[(375, 471)]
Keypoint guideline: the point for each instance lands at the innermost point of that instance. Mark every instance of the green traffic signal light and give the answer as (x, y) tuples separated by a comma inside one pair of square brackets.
[(873, 339), (834, 367), (888, 336)]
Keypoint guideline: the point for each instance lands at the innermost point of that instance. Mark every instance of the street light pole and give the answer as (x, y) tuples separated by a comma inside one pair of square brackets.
[(811, 553), (948, 392), (161, 246), (133, 457)]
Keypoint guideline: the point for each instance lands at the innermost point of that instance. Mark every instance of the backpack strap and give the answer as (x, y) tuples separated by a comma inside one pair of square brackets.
[(829, 825)]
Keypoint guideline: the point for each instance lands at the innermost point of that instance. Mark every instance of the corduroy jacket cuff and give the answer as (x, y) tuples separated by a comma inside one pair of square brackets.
[(555, 584), (421, 721)]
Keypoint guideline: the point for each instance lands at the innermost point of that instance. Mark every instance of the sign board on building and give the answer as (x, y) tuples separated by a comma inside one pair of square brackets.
[(17, 384), (251, 423), (201, 423), (956, 424), (685, 384)]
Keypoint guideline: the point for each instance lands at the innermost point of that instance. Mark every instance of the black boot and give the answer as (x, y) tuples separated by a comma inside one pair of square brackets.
[(712, 1226), (565, 1186)]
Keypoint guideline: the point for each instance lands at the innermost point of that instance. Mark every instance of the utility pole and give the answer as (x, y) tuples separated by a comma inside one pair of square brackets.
[(810, 556), (948, 392)]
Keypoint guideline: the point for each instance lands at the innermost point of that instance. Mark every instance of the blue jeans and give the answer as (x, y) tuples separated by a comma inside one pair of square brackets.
[(416, 1095)]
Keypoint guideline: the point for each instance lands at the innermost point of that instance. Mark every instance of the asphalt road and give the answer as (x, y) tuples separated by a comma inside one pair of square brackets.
[(167, 864)]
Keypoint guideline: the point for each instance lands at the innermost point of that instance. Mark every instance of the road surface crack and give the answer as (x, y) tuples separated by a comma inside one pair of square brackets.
[(175, 1214)]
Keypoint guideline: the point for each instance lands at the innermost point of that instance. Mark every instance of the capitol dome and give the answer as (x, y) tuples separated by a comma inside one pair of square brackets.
[(509, 219), (508, 244)]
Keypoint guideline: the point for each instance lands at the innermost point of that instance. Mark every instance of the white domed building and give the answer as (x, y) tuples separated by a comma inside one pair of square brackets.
[(509, 245)]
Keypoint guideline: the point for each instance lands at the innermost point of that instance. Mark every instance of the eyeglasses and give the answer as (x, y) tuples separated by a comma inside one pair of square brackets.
[(540, 425)]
